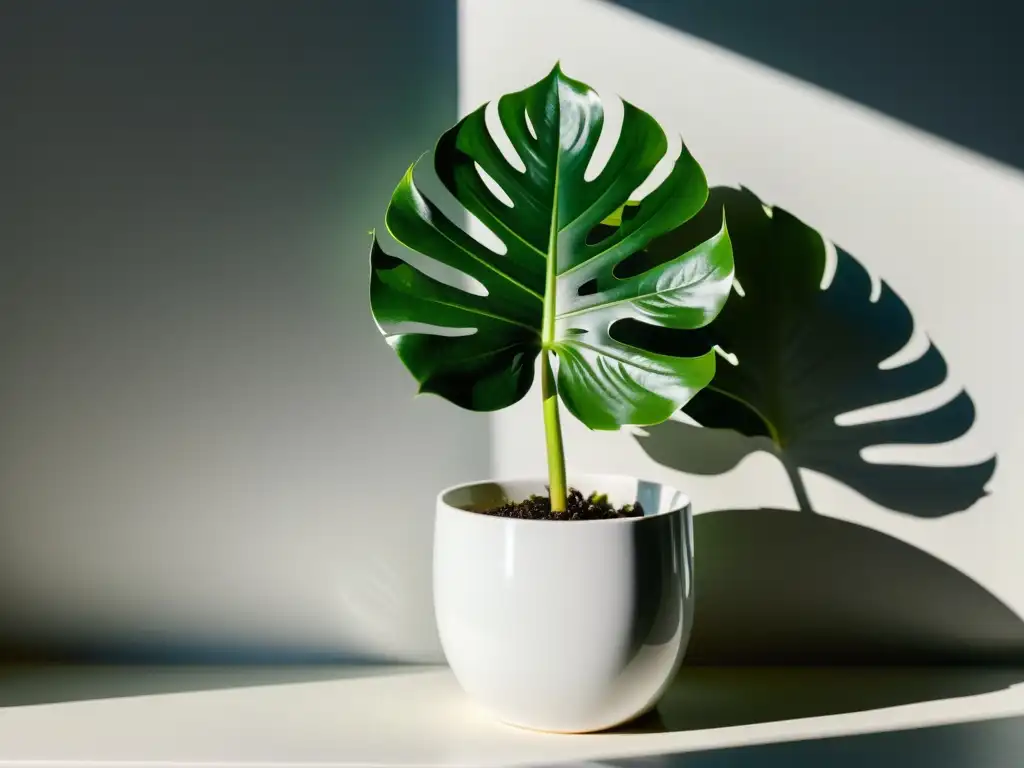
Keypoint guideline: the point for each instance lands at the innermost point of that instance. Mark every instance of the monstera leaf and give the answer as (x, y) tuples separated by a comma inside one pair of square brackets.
[(554, 288), (805, 355)]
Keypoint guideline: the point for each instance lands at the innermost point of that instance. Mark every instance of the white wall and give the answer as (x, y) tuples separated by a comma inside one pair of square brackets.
[(943, 226)]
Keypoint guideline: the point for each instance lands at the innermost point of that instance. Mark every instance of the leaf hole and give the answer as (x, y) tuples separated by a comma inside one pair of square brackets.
[(529, 124), (483, 235), (394, 329), (662, 169), (435, 269), (660, 340), (493, 187), (431, 188), (588, 288), (493, 123), (602, 232), (611, 130), (699, 229), (576, 331), (637, 263)]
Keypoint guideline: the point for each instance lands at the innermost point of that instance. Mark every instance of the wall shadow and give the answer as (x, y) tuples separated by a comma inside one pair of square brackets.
[(952, 73), (997, 743), (704, 697), (780, 586), (804, 348), (809, 341)]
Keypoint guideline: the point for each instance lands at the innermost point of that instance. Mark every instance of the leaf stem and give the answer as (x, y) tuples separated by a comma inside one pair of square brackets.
[(802, 499), (553, 436), (549, 389)]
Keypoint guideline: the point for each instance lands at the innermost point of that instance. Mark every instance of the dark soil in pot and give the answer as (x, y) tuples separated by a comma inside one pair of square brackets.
[(577, 507)]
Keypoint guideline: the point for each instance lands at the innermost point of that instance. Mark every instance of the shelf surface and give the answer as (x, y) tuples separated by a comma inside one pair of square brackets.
[(417, 716)]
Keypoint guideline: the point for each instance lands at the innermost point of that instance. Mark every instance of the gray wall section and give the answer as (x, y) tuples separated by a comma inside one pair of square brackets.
[(205, 443), (950, 67)]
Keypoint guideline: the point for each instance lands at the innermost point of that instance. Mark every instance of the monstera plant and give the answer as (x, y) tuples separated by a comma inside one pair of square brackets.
[(544, 272), (553, 290)]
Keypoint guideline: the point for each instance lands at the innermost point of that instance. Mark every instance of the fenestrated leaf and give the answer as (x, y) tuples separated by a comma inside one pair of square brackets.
[(805, 355), (554, 288)]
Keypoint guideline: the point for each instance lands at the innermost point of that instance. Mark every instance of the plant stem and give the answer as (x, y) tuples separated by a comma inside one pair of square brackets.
[(549, 389), (553, 435), (802, 499)]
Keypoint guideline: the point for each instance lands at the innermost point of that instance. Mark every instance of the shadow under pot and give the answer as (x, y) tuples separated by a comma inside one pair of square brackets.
[(569, 626)]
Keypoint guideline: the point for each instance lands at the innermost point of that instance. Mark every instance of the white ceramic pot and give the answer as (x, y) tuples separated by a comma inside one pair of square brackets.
[(567, 626)]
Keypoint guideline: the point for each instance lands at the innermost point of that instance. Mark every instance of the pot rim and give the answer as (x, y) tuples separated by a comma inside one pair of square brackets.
[(685, 503)]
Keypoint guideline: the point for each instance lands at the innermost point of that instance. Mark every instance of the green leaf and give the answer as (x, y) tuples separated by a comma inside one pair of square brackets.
[(807, 355), (556, 288)]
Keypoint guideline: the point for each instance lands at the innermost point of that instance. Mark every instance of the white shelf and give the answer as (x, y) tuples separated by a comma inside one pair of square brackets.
[(417, 716)]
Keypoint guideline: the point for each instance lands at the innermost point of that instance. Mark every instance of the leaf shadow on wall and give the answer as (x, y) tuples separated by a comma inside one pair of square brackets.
[(809, 345)]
